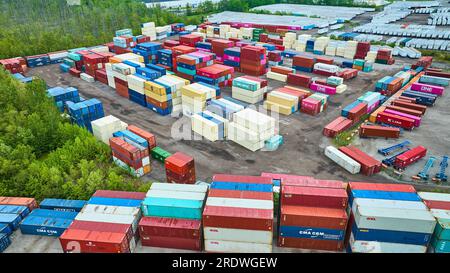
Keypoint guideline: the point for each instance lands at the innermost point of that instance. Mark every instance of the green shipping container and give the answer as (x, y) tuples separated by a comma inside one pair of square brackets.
[(159, 154)]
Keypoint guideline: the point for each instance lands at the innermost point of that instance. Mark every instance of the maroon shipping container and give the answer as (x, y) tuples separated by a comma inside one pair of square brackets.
[(262, 82), (378, 131), (303, 61), (408, 99), (337, 126), (324, 60), (241, 179), (86, 241), (314, 197), (395, 120), (240, 218), (170, 227), (369, 165), (120, 194), (281, 70), (328, 245), (433, 204), (313, 217), (413, 106), (105, 227), (409, 157), (404, 110), (240, 194), (179, 163), (357, 112), (299, 80), (438, 74), (172, 242)]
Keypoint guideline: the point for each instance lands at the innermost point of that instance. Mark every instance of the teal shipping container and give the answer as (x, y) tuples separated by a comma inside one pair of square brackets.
[(442, 230), (440, 246), (172, 208)]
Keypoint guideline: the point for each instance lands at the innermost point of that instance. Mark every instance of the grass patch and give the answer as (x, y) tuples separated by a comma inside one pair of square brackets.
[(345, 138)]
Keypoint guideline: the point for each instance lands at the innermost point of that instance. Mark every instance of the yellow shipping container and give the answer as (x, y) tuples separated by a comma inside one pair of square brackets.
[(277, 108), (155, 88), (160, 98)]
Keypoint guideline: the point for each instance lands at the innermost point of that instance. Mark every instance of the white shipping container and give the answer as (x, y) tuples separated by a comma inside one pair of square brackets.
[(104, 128), (434, 196), (108, 218), (176, 195), (239, 203), (408, 220), (382, 203), (179, 187), (342, 160), (238, 235), (383, 247), (441, 213), (236, 247), (276, 76)]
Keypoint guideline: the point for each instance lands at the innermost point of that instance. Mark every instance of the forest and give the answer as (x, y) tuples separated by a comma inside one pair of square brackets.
[(44, 156)]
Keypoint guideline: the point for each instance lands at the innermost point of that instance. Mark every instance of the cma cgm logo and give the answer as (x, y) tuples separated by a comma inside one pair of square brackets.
[(48, 231), (310, 232)]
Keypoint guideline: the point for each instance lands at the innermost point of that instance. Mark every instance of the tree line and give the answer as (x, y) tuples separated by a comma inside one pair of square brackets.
[(42, 155)]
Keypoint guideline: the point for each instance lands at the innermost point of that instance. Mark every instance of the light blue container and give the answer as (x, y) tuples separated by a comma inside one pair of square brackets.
[(119, 202), (440, 246), (172, 208), (241, 186), (62, 204)]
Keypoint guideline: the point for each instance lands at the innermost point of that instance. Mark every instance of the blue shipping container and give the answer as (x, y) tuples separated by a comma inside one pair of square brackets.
[(5, 241), (48, 213), (312, 233), (241, 186), (62, 204), (23, 211), (390, 236), (114, 202), (11, 219), (45, 226), (389, 195), (5, 228)]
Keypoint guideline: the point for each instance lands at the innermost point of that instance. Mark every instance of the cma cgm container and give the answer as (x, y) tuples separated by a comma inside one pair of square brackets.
[(47, 222), (62, 204), (404, 160), (319, 217)]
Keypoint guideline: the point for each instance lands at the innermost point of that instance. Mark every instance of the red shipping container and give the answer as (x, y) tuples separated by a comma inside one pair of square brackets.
[(242, 179), (313, 197), (305, 181), (74, 72), (337, 126), (395, 120), (324, 60), (369, 165), (328, 245), (179, 163), (120, 194), (438, 74), (300, 80), (171, 43), (432, 204), (170, 227), (413, 106), (281, 70), (404, 110), (169, 242), (303, 61), (378, 131), (104, 227), (187, 178), (357, 112), (85, 241), (408, 99), (409, 157), (19, 201), (151, 139), (313, 217), (190, 39), (240, 194), (239, 218), (380, 187)]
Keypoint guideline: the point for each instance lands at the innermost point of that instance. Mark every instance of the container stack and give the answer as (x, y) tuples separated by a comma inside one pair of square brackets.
[(280, 102), (253, 60), (163, 95), (439, 205), (190, 40), (337, 126), (325, 69), (384, 56), (350, 50), (279, 73), (180, 169), (149, 30), (320, 44), (188, 64), (218, 47), (62, 95), (314, 104), (195, 96), (180, 50), (217, 75), (232, 57), (249, 89), (148, 51), (362, 49), (238, 215), (371, 56), (203, 46), (224, 108), (388, 85), (372, 99), (107, 224), (165, 58), (47, 222), (14, 65), (303, 63), (172, 216), (388, 218), (209, 125), (83, 113), (251, 129), (313, 214), (299, 80), (289, 39), (130, 152)]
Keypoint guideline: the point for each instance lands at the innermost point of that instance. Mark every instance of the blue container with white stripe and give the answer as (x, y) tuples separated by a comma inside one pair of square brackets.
[(312, 233), (390, 236), (172, 208), (150, 73), (44, 226), (241, 186), (62, 204), (5, 241), (11, 219), (23, 211), (128, 135), (119, 202)]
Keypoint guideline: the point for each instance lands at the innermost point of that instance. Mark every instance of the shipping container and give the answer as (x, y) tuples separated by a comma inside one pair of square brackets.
[(236, 247), (311, 196), (87, 241), (115, 202), (327, 245), (378, 131), (173, 208), (62, 204), (172, 242), (383, 247), (238, 235), (240, 194), (238, 218), (328, 218), (170, 227)]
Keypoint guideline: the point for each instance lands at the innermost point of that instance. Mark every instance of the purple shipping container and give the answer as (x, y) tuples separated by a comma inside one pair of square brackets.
[(426, 88), (416, 119), (323, 89)]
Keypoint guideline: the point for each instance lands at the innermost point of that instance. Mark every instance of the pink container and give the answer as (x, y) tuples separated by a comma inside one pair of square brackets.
[(232, 58), (372, 107), (426, 88), (310, 104), (415, 118), (323, 89)]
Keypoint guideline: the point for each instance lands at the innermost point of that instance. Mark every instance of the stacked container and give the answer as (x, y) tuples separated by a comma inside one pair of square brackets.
[(387, 218), (47, 222), (299, 80), (303, 63), (439, 205), (195, 96), (337, 126), (188, 64), (232, 57), (163, 95), (249, 89), (224, 108), (148, 51), (279, 73), (190, 39), (61, 95), (209, 125), (253, 60), (281, 102), (238, 215), (312, 214), (149, 29), (180, 169), (172, 216), (314, 104), (104, 128), (384, 56), (218, 47), (83, 113), (251, 129), (216, 74), (107, 224)]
